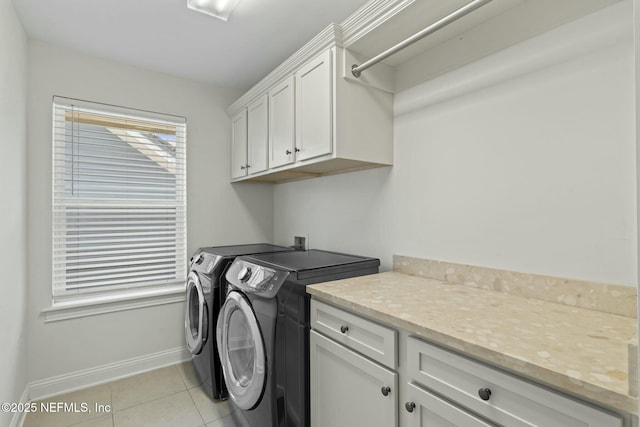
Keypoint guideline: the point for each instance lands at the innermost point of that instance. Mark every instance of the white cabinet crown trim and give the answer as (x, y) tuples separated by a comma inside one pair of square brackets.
[(369, 17), (353, 28), (327, 38)]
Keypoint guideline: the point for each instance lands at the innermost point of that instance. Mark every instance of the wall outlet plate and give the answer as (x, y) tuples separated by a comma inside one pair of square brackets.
[(300, 243)]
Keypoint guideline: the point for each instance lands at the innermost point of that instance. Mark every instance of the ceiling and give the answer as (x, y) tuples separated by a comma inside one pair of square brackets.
[(165, 36)]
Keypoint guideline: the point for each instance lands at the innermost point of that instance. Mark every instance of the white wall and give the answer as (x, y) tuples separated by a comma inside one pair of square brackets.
[(535, 173), (218, 213), (350, 213), (13, 183)]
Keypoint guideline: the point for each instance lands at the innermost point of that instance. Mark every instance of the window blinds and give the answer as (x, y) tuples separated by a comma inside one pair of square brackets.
[(119, 198)]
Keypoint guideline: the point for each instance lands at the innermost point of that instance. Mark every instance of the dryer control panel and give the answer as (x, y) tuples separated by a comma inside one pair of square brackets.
[(256, 279)]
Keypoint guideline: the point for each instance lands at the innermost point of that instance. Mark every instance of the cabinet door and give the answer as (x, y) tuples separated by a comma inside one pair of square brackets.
[(239, 145), (423, 409), (314, 101), (258, 135), (281, 123), (346, 388)]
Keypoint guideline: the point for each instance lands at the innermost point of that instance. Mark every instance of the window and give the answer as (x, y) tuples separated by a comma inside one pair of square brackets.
[(119, 201)]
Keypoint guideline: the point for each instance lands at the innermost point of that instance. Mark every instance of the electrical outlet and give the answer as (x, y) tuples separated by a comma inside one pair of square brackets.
[(300, 243)]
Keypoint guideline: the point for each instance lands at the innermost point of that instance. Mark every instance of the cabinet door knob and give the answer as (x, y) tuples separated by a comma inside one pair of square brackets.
[(297, 150), (243, 167), (484, 393), (385, 390), (410, 406), (287, 152), (248, 166), (344, 329)]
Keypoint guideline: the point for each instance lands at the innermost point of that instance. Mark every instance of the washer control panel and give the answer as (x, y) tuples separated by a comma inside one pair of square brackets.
[(245, 274), (254, 278), (203, 262)]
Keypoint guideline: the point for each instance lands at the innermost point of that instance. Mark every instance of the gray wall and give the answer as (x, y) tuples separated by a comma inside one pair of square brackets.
[(218, 213), (534, 172), (13, 185)]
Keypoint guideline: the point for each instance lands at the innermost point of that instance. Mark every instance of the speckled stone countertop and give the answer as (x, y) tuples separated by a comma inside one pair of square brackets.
[(583, 352)]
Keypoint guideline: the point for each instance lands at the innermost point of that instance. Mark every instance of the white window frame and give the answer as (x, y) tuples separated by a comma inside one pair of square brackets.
[(84, 298)]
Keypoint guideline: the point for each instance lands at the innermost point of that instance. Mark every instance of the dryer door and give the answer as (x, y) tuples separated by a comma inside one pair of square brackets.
[(242, 351), (196, 318)]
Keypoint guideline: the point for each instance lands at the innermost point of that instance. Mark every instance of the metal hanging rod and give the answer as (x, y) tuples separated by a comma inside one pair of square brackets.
[(356, 70)]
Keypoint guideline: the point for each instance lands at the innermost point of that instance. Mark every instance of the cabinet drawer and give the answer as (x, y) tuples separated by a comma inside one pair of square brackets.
[(512, 401), (367, 337), (429, 410)]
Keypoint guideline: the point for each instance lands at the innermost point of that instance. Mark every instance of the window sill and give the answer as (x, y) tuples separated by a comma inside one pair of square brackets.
[(94, 305)]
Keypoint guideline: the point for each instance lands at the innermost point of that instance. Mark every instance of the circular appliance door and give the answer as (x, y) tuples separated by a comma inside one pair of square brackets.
[(242, 351), (196, 319)]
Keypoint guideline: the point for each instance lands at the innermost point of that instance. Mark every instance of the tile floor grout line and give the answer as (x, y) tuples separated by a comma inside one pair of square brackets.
[(152, 400), (197, 408), (90, 419), (184, 380), (164, 397), (71, 423), (186, 387), (113, 420)]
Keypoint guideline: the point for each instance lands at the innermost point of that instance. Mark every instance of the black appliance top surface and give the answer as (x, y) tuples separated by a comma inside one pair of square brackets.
[(237, 250), (313, 259)]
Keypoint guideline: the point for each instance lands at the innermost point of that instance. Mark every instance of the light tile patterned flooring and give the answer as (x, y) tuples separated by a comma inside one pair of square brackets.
[(166, 397)]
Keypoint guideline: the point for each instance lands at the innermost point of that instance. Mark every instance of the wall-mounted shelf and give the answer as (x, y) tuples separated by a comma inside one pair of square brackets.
[(489, 29)]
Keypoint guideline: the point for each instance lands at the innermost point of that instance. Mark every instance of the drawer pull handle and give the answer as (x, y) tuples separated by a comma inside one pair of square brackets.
[(344, 329), (484, 393), (385, 390), (410, 406), (287, 152)]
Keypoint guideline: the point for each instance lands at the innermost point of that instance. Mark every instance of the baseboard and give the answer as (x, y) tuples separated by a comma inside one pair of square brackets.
[(103, 374), (18, 417)]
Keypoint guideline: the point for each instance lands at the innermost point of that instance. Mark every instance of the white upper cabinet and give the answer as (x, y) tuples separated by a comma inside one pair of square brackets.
[(324, 120), (319, 123), (239, 144), (258, 135), (282, 123), (314, 107)]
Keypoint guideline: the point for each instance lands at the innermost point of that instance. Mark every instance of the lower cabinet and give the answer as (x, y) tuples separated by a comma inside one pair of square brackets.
[(348, 389), (355, 381), (496, 395)]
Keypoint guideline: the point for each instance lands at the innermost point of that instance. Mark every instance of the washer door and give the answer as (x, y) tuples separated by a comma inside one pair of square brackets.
[(196, 319), (242, 351)]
